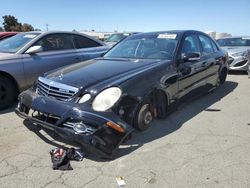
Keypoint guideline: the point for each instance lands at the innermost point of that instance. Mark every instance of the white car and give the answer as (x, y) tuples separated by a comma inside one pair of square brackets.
[(238, 49)]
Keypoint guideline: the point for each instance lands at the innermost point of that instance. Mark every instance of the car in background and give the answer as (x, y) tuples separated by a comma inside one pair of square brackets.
[(116, 37), (238, 49), (5, 35), (100, 102), (26, 56)]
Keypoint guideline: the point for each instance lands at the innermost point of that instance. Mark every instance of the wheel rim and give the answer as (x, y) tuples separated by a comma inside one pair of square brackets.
[(145, 116)]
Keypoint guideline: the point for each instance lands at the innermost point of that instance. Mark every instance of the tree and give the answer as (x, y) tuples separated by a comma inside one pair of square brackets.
[(1, 29), (10, 21), (17, 27), (27, 27)]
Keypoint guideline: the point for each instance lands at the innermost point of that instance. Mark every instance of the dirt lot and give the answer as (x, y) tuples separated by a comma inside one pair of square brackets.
[(206, 143)]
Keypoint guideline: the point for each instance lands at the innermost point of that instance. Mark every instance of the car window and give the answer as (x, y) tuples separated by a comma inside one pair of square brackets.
[(54, 42), (214, 46), (242, 41), (115, 38), (206, 44), (15, 43), (84, 42), (190, 45), (149, 46)]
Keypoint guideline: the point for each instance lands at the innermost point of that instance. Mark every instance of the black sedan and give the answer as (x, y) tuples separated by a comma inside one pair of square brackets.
[(99, 102)]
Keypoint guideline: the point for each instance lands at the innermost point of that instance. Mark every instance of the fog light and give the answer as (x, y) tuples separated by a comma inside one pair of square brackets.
[(80, 128)]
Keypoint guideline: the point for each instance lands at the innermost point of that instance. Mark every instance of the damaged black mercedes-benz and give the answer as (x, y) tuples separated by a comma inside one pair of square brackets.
[(99, 102)]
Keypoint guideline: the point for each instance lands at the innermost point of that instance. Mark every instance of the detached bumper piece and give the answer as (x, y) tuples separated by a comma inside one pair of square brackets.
[(100, 134)]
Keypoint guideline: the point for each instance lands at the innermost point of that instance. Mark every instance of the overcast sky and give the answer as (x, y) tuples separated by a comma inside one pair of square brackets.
[(132, 15)]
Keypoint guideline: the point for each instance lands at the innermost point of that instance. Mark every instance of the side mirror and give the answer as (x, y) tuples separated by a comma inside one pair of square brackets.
[(191, 57), (34, 50)]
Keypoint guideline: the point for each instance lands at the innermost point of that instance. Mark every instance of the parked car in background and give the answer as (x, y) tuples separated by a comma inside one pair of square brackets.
[(5, 35), (99, 103), (238, 49), (25, 56), (116, 37)]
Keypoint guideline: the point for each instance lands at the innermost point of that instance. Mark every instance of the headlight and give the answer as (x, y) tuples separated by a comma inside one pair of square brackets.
[(84, 98), (245, 54), (106, 99)]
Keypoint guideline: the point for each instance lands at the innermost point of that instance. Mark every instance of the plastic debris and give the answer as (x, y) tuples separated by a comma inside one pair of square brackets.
[(120, 181)]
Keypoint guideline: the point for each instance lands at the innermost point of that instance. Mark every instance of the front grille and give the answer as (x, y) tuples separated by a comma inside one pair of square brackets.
[(62, 92), (241, 63)]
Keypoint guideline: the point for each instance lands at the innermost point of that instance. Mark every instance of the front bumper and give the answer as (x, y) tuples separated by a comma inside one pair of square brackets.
[(61, 117), (238, 63)]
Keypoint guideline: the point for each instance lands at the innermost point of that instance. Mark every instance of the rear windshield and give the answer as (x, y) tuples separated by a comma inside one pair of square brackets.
[(15, 43), (234, 41)]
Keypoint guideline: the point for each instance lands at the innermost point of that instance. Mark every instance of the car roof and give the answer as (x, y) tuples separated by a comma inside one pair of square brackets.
[(7, 33), (180, 32), (63, 32), (232, 37)]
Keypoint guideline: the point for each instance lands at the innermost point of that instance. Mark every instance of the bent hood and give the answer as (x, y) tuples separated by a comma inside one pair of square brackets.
[(94, 71)]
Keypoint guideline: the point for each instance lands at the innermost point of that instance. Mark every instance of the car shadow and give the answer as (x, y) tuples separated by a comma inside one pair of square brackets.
[(159, 128), (237, 72), (8, 110), (175, 120)]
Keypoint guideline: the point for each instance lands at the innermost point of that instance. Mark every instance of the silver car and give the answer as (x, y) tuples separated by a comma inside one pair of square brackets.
[(238, 49), (27, 55)]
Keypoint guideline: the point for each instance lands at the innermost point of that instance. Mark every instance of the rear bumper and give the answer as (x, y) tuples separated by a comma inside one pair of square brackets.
[(61, 117)]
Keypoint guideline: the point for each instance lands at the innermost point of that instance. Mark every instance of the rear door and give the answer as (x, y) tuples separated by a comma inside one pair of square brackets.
[(58, 50), (192, 74), (213, 58), (88, 48)]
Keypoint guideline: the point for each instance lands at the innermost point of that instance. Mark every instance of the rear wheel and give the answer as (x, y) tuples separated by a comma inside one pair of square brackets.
[(8, 92), (144, 117)]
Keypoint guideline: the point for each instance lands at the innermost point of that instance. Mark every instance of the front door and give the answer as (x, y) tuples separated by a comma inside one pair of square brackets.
[(192, 73)]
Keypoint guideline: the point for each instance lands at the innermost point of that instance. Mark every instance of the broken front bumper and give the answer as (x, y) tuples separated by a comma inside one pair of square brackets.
[(99, 133)]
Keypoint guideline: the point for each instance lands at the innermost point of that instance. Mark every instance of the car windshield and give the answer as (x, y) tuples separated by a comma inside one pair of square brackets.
[(115, 37), (234, 41), (15, 43), (146, 46)]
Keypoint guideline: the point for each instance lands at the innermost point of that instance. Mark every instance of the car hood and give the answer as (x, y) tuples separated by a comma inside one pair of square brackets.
[(98, 70), (6, 56), (235, 49)]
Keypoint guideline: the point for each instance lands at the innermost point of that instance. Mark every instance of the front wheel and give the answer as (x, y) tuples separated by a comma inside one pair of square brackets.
[(8, 92), (222, 76), (144, 117)]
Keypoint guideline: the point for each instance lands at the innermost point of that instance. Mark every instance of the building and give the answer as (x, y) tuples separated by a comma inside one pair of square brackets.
[(216, 35)]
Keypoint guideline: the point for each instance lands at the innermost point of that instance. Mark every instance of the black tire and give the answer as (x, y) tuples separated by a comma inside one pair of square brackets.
[(8, 92), (161, 105), (223, 76), (143, 116)]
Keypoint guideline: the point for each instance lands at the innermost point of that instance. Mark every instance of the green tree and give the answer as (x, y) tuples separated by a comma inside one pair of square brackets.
[(10, 23), (1, 29), (27, 27)]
